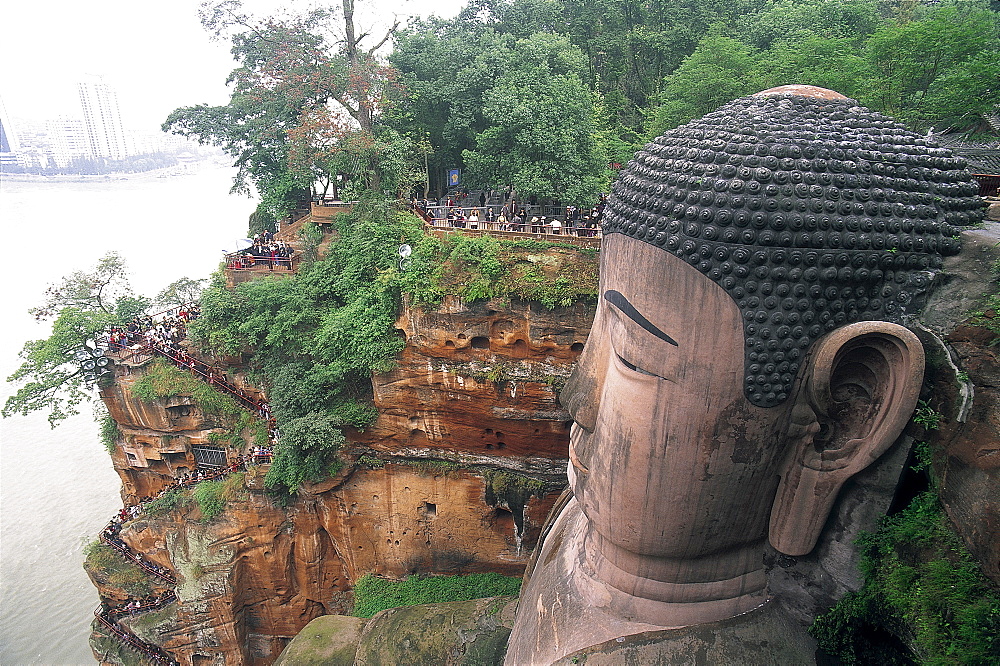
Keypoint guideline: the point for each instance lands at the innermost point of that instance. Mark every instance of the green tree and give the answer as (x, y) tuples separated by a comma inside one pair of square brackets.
[(719, 70), (316, 337), (180, 292), (939, 69), (82, 306), (291, 70), (796, 20), (541, 135), (827, 62)]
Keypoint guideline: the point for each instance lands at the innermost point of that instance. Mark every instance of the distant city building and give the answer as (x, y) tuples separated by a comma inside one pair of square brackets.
[(102, 120), (67, 139), (9, 145)]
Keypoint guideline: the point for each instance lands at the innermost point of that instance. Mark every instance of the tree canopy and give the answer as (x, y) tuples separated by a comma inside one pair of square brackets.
[(545, 94), (81, 306)]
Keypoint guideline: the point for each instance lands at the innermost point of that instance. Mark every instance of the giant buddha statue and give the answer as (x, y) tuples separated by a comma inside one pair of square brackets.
[(749, 355)]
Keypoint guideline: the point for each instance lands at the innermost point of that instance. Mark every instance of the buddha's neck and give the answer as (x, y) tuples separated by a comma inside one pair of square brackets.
[(674, 592)]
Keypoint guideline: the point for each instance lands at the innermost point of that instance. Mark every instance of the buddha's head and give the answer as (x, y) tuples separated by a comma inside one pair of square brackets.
[(748, 354)]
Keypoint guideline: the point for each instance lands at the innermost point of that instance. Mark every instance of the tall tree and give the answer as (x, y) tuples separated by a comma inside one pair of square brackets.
[(296, 73), (540, 134), (943, 68), (81, 306)]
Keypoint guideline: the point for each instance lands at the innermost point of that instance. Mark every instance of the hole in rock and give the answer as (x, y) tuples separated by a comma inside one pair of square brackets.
[(499, 434), (480, 342), (576, 346), (520, 349), (461, 336), (449, 343), (401, 334), (489, 446), (430, 509), (501, 445), (503, 519)]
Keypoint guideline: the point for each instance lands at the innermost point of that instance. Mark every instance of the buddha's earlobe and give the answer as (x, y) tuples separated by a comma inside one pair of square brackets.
[(859, 390)]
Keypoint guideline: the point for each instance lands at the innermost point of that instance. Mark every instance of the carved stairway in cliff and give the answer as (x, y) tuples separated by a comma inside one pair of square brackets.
[(108, 617), (110, 534)]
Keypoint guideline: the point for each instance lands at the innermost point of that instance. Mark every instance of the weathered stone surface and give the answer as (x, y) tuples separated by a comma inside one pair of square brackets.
[(481, 379), (967, 442), (250, 579), (457, 633), (330, 640), (475, 386), (764, 637)]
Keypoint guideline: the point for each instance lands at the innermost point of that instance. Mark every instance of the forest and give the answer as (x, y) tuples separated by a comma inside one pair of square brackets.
[(550, 97)]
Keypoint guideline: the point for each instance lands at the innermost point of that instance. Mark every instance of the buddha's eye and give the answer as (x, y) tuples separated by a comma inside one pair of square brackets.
[(634, 368)]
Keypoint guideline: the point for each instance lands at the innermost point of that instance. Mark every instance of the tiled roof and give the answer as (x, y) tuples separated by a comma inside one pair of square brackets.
[(983, 156)]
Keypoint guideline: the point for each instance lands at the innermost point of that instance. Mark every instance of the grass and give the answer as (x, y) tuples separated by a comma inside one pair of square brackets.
[(922, 587), (374, 593), (162, 380), (105, 564)]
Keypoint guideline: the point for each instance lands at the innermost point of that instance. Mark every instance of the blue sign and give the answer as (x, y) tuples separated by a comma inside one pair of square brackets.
[(454, 177)]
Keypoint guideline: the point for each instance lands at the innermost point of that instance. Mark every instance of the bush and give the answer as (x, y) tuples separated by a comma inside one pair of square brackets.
[(110, 434), (107, 565), (373, 593), (210, 498), (175, 498), (484, 267), (923, 587), (307, 451), (162, 380)]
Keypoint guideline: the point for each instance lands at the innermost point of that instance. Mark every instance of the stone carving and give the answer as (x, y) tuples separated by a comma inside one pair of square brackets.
[(746, 359)]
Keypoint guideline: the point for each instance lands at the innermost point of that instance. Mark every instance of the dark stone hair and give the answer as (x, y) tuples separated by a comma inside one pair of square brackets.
[(811, 213)]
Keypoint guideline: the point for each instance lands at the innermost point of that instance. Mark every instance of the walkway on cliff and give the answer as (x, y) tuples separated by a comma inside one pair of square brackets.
[(160, 335), (138, 346), (110, 535), (108, 617)]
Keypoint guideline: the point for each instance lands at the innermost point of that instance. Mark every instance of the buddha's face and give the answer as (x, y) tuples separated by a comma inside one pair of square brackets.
[(669, 459)]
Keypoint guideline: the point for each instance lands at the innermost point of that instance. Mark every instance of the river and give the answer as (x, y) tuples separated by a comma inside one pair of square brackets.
[(57, 487)]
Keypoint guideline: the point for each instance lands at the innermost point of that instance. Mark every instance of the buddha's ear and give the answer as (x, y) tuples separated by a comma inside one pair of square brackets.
[(859, 390)]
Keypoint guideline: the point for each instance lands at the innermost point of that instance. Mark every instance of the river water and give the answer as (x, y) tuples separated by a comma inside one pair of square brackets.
[(57, 487)]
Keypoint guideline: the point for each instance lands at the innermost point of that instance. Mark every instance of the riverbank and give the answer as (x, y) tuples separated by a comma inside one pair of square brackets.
[(174, 171)]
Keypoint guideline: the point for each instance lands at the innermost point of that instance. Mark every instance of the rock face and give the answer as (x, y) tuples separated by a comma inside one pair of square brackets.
[(480, 379), (964, 379), (456, 476)]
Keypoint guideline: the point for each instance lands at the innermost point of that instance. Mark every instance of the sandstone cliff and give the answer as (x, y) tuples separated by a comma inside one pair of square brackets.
[(456, 476)]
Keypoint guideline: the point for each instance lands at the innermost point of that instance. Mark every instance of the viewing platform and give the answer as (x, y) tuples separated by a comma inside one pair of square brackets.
[(578, 237)]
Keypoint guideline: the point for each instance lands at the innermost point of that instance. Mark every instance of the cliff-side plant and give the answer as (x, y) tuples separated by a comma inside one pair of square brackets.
[(926, 416), (174, 498), (922, 588), (234, 487), (108, 566), (988, 316), (160, 380), (484, 267), (109, 432), (211, 499), (510, 488), (371, 461), (374, 593), (307, 451)]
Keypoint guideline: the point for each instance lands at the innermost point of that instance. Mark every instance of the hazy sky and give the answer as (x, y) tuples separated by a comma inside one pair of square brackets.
[(155, 54)]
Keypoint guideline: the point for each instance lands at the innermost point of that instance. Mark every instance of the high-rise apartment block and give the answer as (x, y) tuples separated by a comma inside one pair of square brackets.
[(103, 121)]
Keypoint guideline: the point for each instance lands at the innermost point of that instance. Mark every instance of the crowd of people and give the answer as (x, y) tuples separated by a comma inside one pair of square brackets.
[(575, 221), (139, 606), (265, 251), (166, 328), (110, 536)]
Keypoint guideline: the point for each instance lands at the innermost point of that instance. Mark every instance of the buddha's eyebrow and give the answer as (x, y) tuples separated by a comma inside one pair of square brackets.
[(617, 299)]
